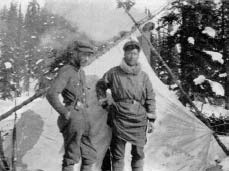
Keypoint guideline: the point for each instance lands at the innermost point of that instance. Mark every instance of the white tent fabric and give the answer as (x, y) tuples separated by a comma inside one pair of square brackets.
[(180, 141)]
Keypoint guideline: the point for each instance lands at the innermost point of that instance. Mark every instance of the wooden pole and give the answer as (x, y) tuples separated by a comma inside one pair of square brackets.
[(4, 166), (35, 96), (14, 140)]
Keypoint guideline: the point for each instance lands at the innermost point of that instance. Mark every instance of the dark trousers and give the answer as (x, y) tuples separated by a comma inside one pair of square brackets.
[(118, 154), (106, 165), (77, 142)]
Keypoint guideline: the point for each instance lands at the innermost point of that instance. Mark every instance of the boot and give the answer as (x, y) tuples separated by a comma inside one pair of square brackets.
[(86, 168), (137, 168), (68, 168), (137, 165), (118, 165)]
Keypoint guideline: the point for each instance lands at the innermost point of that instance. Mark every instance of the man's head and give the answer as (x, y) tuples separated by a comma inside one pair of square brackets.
[(80, 53), (131, 52)]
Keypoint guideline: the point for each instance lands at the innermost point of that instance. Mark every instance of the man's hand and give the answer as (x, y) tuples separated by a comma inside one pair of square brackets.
[(150, 127), (103, 103), (67, 115), (151, 118)]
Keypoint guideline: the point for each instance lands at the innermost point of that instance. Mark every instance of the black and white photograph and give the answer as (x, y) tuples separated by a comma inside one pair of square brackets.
[(114, 85)]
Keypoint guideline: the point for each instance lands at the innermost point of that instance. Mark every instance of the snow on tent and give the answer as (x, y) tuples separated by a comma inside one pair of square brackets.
[(180, 140)]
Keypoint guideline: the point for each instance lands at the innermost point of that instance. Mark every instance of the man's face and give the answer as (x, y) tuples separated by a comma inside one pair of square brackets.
[(131, 57), (81, 57)]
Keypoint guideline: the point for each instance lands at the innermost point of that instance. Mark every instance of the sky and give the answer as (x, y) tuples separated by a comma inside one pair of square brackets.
[(100, 19)]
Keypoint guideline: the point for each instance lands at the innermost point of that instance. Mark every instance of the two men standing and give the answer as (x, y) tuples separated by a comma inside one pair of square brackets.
[(133, 108)]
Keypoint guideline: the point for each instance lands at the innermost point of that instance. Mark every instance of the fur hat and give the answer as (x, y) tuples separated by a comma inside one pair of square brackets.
[(132, 43)]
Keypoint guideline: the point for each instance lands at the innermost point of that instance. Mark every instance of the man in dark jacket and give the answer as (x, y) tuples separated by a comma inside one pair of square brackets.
[(73, 120), (133, 107)]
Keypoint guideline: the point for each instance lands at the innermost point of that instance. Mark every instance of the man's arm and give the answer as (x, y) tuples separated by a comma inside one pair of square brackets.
[(150, 102), (101, 87), (58, 85), (85, 91)]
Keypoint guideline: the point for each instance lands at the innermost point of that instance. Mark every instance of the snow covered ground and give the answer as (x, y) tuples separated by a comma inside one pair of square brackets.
[(209, 109), (225, 164)]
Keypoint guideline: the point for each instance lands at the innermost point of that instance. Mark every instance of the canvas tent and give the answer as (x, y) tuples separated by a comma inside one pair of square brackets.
[(179, 142)]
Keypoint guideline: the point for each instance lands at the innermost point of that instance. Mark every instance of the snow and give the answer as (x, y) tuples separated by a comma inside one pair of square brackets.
[(8, 104), (209, 31), (216, 56), (185, 3), (217, 88), (49, 78), (174, 30), (223, 75), (199, 80), (173, 86), (12, 82), (162, 72), (176, 11), (178, 47), (8, 65), (11, 59), (39, 61), (208, 109), (225, 164), (217, 1), (191, 40)]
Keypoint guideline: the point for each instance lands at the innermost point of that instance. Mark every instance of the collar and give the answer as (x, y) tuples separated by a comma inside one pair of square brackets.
[(130, 69)]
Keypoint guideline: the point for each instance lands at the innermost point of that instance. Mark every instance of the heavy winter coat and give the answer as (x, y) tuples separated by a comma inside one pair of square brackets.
[(70, 82), (133, 97)]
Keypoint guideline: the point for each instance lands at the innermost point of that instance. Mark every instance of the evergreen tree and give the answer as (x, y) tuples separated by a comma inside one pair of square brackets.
[(225, 42), (19, 51), (31, 40), (8, 50), (197, 38), (6, 73), (27, 43), (167, 48)]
